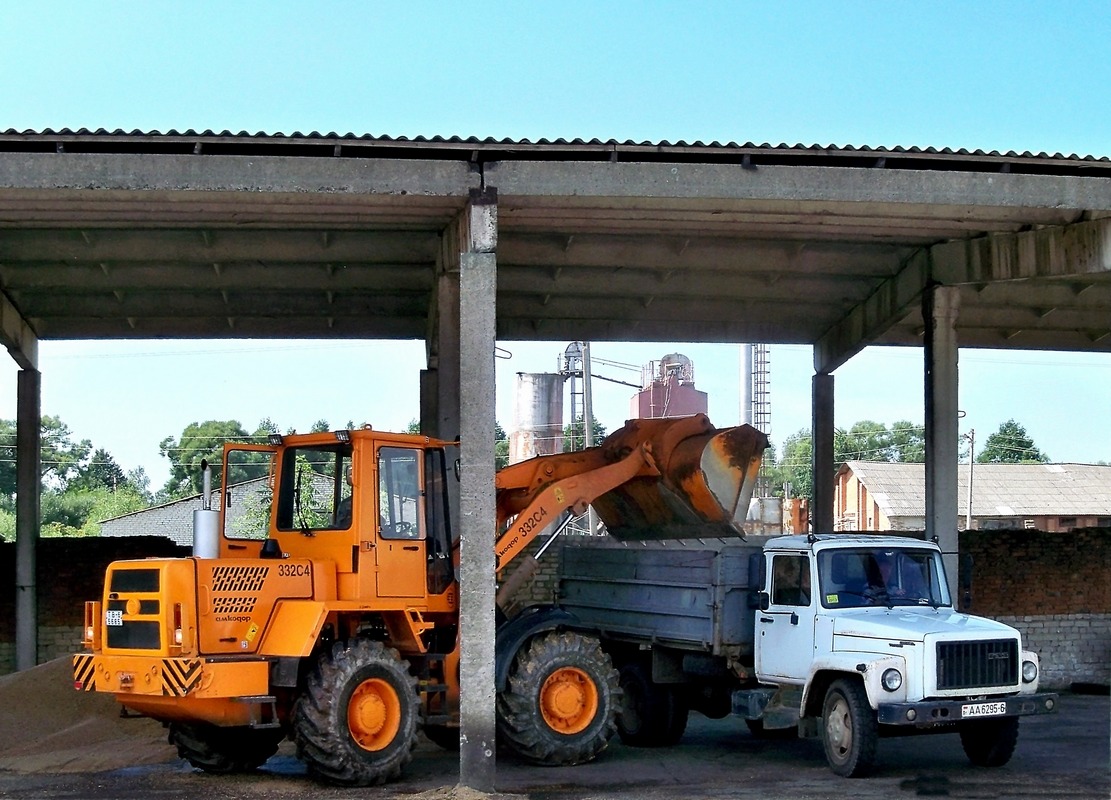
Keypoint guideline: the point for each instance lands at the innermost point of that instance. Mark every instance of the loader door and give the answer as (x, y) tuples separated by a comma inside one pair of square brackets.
[(401, 552), (785, 628)]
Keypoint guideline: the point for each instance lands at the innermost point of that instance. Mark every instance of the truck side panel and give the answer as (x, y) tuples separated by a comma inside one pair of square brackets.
[(665, 595)]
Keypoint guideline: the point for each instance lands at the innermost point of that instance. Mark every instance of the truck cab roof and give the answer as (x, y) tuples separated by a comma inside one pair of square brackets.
[(822, 541)]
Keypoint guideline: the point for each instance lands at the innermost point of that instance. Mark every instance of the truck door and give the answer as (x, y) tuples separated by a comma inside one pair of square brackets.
[(785, 629), (401, 551)]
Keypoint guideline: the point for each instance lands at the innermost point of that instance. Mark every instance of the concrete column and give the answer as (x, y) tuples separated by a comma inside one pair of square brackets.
[(940, 307), (27, 517), (477, 589), (821, 438), (477, 519)]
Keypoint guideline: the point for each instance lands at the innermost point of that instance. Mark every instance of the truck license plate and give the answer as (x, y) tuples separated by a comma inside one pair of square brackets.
[(983, 710), (113, 618)]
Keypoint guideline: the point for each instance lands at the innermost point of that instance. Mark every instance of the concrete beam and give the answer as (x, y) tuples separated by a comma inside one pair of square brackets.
[(199, 173), (1080, 250), (795, 183), (1070, 251), (18, 336)]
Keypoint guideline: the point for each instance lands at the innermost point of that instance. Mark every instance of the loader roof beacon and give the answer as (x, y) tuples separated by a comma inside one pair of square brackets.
[(321, 601)]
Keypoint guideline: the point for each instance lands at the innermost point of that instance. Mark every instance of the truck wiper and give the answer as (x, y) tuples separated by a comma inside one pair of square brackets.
[(297, 505)]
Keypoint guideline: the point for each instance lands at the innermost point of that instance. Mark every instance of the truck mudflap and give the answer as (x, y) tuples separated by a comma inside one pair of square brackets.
[(165, 676), (927, 713)]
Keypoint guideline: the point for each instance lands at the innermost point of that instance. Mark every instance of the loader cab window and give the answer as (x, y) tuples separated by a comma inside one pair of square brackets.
[(399, 493), (246, 492), (315, 491), (441, 570)]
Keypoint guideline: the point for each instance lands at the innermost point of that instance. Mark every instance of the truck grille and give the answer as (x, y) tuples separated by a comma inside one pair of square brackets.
[(970, 665)]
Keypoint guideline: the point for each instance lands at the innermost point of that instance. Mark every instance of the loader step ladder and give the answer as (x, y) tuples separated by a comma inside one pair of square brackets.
[(265, 715)]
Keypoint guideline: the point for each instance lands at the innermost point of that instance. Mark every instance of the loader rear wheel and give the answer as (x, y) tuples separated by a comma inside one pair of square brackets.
[(356, 722), (560, 702), (223, 751), (651, 715), (989, 742)]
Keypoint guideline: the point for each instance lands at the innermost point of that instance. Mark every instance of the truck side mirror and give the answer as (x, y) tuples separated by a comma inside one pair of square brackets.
[(765, 600)]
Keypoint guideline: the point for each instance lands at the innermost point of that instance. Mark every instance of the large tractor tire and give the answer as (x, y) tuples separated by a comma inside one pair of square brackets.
[(850, 731), (989, 742), (356, 722), (651, 715), (223, 751), (560, 702)]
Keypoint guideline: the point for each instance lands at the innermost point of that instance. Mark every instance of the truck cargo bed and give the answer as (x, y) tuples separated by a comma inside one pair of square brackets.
[(691, 595)]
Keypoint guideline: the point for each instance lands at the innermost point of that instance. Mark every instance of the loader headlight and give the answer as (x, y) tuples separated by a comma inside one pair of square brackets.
[(89, 633), (892, 679), (1029, 671)]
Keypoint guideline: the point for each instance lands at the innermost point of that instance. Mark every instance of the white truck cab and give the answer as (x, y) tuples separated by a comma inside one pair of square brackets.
[(863, 632)]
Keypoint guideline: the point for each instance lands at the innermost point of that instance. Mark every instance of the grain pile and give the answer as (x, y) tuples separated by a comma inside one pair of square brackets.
[(46, 726)]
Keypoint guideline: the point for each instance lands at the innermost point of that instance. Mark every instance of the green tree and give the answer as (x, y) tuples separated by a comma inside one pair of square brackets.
[(199, 441), (908, 442), (61, 458), (1011, 445), (794, 465), (501, 446), (574, 434), (101, 471)]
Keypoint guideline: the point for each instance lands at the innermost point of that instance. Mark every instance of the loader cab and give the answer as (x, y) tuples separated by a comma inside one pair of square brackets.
[(374, 504)]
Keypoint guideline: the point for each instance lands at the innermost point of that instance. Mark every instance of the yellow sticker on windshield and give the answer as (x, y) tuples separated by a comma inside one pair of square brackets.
[(831, 599)]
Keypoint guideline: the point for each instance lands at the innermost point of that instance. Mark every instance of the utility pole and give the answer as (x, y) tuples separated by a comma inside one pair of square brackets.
[(588, 424), (971, 437)]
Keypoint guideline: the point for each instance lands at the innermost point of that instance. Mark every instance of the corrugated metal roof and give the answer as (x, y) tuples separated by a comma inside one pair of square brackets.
[(997, 489), (475, 147)]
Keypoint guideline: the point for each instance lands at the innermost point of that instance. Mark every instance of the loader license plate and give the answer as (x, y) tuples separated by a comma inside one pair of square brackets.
[(113, 618), (983, 710)]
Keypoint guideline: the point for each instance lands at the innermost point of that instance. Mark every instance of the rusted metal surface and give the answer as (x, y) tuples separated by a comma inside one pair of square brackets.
[(693, 480)]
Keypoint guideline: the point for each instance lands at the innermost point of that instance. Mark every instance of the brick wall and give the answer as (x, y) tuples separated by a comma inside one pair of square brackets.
[(67, 573), (1055, 588)]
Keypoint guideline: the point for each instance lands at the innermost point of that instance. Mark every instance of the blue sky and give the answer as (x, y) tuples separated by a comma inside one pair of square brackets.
[(986, 75)]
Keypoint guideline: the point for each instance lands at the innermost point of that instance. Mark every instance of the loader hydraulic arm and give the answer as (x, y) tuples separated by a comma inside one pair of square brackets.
[(536, 493)]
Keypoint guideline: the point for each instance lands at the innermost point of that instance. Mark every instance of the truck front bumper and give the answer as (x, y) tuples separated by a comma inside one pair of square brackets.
[(927, 713)]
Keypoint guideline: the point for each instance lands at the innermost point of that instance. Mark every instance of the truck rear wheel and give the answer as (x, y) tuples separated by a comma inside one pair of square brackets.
[(223, 751), (356, 722), (650, 715), (560, 700), (849, 729), (989, 742)]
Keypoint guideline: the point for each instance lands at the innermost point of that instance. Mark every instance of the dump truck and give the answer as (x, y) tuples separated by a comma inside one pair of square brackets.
[(321, 600), (844, 637)]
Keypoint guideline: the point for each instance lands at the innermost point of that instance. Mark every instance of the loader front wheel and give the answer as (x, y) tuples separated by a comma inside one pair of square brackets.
[(560, 702), (356, 722), (224, 751)]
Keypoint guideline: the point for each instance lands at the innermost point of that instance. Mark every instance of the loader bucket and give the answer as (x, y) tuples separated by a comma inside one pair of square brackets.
[(704, 486)]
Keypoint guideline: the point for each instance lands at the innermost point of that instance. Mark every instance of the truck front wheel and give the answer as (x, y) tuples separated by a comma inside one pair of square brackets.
[(356, 722), (989, 742), (560, 701), (849, 729)]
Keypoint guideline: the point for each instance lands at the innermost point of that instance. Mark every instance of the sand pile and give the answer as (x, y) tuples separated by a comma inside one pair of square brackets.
[(46, 726)]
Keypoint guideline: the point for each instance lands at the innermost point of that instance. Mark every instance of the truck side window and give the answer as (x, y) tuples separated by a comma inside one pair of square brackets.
[(790, 581), (399, 493)]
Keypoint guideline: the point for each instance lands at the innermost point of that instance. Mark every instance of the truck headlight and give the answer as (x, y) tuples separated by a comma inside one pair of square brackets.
[(892, 679), (1029, 671)]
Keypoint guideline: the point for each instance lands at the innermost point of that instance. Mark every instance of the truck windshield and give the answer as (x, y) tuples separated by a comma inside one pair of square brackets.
[(888, 576)]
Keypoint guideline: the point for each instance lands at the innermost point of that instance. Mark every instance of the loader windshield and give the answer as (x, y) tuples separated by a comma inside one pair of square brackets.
[(888, 576), (314, 492)]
